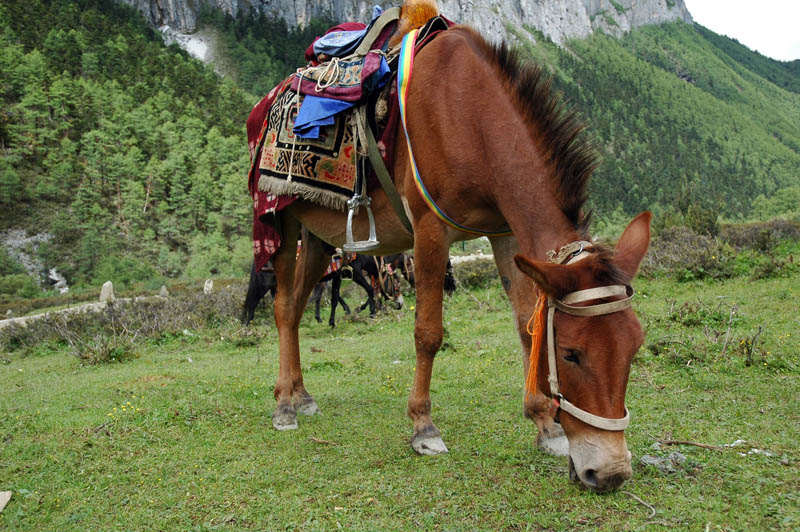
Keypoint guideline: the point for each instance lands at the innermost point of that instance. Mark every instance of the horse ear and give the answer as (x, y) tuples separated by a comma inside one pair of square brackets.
[(633, 244), (551, 278)]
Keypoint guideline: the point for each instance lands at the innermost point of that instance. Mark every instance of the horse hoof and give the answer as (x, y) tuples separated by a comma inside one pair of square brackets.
[(307, 406), (553, 442), (428, 442), (284, 418)]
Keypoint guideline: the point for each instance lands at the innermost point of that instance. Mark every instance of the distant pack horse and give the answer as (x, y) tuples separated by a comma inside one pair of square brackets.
[(370, 273), (514, 166)]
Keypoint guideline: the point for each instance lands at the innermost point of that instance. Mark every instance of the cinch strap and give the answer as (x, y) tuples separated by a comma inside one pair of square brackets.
[(406, 64)]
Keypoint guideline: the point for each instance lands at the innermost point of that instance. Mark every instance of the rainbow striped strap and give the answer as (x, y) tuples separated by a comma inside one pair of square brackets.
[(403, 78)]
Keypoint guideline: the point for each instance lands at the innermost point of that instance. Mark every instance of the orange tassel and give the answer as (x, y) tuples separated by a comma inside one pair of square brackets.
[(537, 334)]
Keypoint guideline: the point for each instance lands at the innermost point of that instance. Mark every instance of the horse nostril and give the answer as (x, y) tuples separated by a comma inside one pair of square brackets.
[(590, 478)]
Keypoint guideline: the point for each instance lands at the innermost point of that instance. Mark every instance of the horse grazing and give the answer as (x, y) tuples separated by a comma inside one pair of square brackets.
[(497, 151), (377, 276), (403, 263)]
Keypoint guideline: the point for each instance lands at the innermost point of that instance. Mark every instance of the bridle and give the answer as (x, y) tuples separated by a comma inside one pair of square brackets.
[(571, 253)]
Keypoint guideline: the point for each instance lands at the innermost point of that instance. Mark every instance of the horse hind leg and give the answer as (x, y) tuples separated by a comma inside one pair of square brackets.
[(359, 279), (295, 282), (316, 297), (520, 290), (336, 298)]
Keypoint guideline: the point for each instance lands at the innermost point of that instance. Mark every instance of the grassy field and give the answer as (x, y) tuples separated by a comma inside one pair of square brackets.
[(179, 438)]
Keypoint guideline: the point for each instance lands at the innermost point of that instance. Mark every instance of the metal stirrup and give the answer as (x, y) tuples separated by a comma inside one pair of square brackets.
[(360, 199), (364, 245)]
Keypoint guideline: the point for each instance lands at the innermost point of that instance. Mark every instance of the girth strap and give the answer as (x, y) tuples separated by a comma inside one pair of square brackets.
[(381, 171)]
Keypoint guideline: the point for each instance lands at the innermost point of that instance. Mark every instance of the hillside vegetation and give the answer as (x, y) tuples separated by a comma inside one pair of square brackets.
[(684, 119), (130, 153), (133, 155)]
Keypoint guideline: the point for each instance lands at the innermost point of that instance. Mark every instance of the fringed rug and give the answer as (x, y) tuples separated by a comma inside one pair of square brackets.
[(322, 170)]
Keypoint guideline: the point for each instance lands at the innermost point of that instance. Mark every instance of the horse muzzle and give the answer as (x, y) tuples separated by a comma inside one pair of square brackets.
[(599, 464)]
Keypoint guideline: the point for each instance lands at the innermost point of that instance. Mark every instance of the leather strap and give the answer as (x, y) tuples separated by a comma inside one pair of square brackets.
[(381, 171), (595, 293), (593, 420), (573, 252), (390, 15)]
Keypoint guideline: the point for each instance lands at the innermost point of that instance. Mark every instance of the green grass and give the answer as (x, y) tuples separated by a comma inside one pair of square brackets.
[(194, 449)]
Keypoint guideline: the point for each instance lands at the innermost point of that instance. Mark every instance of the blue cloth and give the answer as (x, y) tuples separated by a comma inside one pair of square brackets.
[(315, 112), (342, 43)]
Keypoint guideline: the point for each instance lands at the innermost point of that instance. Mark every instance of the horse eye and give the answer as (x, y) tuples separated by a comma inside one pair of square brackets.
[(573, 355)]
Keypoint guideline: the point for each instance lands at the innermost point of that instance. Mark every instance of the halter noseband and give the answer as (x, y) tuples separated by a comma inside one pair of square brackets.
[(568, 254)]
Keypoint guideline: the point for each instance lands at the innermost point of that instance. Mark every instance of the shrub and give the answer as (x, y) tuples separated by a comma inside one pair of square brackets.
[(18, 285), (760, 250), (682, 253), (112, 334), (476, 273), (761, 236)]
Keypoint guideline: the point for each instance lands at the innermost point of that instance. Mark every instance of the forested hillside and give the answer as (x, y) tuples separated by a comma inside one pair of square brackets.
[(132, 155), (686, 120)]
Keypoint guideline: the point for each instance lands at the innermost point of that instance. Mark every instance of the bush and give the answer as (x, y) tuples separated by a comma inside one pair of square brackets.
[(759, 250), (19, 285), (761, 236), (122, 271), (112, 334), (476, 273), (682, 253)]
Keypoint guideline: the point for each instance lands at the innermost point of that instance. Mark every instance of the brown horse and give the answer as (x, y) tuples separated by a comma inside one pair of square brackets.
[(496, 150)]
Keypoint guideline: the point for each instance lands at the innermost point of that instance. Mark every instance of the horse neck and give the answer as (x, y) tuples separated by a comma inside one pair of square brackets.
[(498, 154)]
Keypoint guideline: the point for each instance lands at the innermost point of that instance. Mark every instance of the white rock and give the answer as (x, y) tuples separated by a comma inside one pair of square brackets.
[(107, 292)]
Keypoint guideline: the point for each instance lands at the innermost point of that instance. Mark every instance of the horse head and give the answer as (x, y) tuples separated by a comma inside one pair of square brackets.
[(584, 360)]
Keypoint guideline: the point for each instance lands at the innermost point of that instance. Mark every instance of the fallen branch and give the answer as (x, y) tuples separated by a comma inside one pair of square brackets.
[(463, 288), (696, 444), (652, 509), (753, 346)]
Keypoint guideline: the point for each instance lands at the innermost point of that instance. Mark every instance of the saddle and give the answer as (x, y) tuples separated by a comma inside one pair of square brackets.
[(333, 158)]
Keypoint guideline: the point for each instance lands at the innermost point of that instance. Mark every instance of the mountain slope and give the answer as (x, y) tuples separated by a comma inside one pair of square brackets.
[(680, 119)]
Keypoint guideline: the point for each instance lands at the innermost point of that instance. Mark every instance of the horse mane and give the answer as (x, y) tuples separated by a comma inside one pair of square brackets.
[(557, 127)]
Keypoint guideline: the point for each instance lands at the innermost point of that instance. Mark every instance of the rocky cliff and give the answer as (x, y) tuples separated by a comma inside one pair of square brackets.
[(557, 19)]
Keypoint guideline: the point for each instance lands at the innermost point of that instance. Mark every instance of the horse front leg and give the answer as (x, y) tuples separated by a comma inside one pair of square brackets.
[(295, 280), (431, 264), (520, 289)]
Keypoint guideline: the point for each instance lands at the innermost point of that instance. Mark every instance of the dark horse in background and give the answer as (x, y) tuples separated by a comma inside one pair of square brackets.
[(515, 159), (370, 273)]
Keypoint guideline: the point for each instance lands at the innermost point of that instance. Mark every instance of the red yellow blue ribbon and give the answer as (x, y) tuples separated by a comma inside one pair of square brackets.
[(406, 64)]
